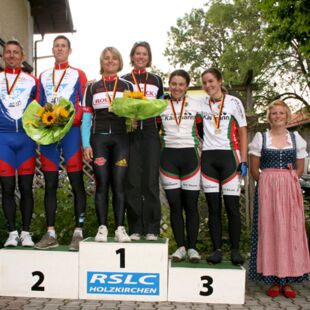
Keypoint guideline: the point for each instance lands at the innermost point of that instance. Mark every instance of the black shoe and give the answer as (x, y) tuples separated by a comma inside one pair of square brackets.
[(215, 257), (236, 257)]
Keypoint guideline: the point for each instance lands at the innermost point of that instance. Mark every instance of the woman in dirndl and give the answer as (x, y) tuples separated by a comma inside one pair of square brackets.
[(279, 254)]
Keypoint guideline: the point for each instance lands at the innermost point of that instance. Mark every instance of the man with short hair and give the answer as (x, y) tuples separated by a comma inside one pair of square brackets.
[(68, 82), (18, 151)]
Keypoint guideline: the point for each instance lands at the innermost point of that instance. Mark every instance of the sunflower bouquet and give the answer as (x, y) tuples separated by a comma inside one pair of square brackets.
[(50, 123), (135, 106)]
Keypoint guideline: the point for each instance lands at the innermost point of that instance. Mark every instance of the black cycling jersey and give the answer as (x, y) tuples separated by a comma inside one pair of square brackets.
[(97, 99), (153, 89)]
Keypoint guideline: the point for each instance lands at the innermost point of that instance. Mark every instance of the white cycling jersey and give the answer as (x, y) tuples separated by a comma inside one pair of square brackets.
[(232, 117), (179, 123)]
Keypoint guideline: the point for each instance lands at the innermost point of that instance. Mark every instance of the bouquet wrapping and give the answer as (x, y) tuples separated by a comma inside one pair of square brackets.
[(48, 124), (135, 106)]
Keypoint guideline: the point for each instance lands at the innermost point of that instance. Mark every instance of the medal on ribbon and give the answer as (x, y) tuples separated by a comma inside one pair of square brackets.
[(137, 84), (176, 119), (55, 96), (114, 90), (217, 120)]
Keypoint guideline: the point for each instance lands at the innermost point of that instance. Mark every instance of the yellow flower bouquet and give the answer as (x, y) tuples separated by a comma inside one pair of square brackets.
[(50, 123), (134, 106)]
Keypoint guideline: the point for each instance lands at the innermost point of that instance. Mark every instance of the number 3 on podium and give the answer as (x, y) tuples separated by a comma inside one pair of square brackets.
[(206, 285)]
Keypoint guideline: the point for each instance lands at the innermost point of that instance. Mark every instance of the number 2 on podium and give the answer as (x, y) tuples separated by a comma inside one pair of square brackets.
[(37, 286)]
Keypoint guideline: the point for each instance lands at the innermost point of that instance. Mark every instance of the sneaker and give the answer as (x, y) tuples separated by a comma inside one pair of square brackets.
[(102, 234), (121, 235), (193, 256), (215, 257), (151, 237), (26, 239), (135, 237), (46, 242), (75, 242), (236, 257), (179, 254), (12, 240)]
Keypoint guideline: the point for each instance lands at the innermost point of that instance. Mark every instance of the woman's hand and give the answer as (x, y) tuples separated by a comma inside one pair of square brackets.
[(134, 123), (254, 166), (243, 169), (88, 153)]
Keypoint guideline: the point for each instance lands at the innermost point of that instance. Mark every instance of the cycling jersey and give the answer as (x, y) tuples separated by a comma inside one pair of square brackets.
[(232, 117), (152, 87), (179, 123), (64, 81), (97, 102), (17, 90)]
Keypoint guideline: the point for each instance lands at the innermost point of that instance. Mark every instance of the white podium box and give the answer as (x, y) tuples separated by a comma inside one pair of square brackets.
[(49, 273), (222, 283), (124, 271)]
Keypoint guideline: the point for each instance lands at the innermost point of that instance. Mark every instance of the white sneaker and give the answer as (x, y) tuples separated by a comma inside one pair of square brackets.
[(151, 237), (12, 240), (179, 254), (193, 256), (135, 237), (102, 234), (121, 235), (26, 239)]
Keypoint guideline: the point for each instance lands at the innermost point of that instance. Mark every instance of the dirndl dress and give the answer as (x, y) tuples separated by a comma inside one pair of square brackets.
[(279, 249)]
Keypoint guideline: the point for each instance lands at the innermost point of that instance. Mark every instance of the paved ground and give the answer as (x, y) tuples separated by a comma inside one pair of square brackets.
[(255, 299)]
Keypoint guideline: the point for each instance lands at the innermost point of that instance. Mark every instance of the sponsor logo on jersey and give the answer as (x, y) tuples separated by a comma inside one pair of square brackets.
[(208, 117), (100, 161), (100, 101), (150, 94), (123, 283), (121, 163)]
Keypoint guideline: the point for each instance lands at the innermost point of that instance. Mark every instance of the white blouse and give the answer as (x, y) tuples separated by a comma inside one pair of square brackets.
[(255, 147)]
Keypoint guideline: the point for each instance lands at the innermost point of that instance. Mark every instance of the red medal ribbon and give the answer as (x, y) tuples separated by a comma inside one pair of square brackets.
[(218, 120), (178, 120), (59, 82), (137, 84), (114, 89), (8, 88)]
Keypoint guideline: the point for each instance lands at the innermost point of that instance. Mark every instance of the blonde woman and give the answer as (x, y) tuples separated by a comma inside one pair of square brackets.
[(105, 142), (280, 254)]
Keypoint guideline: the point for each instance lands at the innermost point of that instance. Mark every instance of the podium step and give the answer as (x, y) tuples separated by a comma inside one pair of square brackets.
[(49, 273), (221, 283), (124, 271)]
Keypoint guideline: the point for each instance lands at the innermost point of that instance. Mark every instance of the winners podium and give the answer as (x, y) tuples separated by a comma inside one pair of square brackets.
[(124, 271), (137, 271)]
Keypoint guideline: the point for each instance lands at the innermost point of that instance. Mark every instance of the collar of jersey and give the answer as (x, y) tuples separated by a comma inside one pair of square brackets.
[(109, 77), (13, 70), (61, 66), (177, 101), (139, 71)]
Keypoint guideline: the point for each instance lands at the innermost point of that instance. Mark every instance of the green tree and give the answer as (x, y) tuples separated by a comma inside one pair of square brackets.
[(233, 36), (288, 31), (225, 35)]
